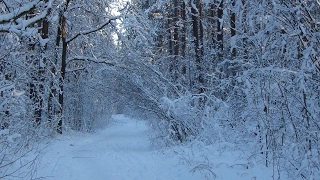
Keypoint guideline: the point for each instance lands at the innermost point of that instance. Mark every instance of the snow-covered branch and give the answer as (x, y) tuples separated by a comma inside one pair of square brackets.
[(93, 30), (7, 26), (90, 59), (18, 12)]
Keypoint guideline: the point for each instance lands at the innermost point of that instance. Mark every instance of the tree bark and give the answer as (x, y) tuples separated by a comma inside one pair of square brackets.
[(197, 28), (176, 29), (220, 30), (184, 30), (233, 28), (63, 65), (244, 26)]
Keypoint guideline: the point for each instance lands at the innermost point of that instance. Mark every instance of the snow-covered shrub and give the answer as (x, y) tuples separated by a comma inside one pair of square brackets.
[(186, 120), (181, 118), (18, 134), (275, 110), (20, 127)]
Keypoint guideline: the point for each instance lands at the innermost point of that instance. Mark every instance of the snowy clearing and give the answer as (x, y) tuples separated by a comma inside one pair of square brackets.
[(122, 151)]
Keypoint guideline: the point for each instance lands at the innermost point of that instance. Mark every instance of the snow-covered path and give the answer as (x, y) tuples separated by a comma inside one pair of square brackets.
[(119, 152)]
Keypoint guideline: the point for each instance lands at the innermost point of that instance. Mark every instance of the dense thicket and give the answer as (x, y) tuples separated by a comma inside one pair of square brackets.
[(246, 70), (236, 71)]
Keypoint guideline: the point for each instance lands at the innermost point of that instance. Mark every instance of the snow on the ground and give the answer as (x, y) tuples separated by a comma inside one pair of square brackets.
[(122, 151), (119, 152)]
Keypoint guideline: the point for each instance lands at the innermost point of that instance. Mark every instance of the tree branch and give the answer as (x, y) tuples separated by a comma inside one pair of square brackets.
[(15, 14), (21, 25), (6, 5), (83, 58), (92, 30)]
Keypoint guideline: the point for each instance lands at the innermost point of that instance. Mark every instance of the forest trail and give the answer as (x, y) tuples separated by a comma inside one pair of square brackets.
[(119, 152)]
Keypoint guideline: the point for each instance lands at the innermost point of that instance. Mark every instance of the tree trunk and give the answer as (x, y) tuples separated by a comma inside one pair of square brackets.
[(244, 26), (170, 41), (176, 29), (233, 28), (213, 33), (63, 65), (184, 30), (52, 105), (197, 28), (35, 86), (44, 32), (175, 42), (220, 30)]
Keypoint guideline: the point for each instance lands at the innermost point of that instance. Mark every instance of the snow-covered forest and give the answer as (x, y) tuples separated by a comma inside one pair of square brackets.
[(243, 74)]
